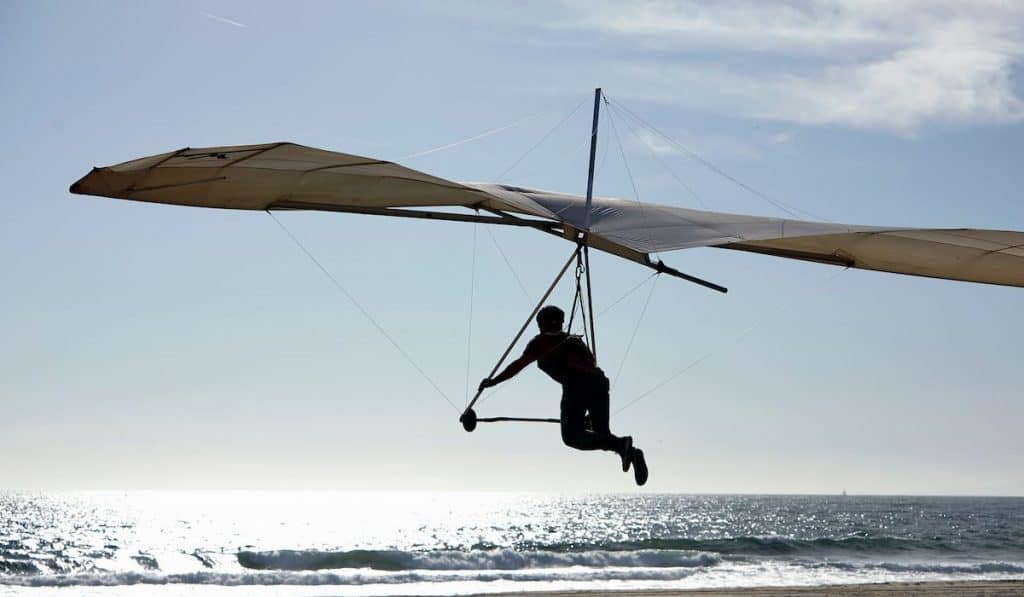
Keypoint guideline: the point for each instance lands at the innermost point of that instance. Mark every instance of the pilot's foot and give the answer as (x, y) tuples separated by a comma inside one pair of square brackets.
[(626, 453), (639, 466)]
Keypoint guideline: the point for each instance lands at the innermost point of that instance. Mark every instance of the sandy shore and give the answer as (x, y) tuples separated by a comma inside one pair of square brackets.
[(923, 589)]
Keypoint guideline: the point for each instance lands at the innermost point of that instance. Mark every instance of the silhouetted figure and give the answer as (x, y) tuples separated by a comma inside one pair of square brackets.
[(568, 360)]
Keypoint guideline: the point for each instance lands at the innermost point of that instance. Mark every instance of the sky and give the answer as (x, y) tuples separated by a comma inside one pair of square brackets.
[(161, 347)]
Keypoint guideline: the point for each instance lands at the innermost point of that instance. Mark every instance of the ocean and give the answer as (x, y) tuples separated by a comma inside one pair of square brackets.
[(395, 543)]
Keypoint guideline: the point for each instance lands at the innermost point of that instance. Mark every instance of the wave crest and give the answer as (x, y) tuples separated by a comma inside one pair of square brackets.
[(497, 559)]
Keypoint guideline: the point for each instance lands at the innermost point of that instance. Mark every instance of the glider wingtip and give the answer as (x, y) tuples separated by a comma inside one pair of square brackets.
[(76, 187)]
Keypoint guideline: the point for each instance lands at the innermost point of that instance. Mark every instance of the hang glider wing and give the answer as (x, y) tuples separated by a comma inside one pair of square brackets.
[(986, 256), (290, 176), (260, 176)]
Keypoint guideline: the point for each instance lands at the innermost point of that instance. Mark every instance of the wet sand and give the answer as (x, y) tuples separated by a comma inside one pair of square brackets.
[(1009, 588)]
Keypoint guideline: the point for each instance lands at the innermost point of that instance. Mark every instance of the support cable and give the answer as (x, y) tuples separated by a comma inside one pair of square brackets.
[(636, 329), (732, 342), (627, 294), (683, 184), (693, 155), (662, 162), (632, 182), (366, 314), (541, 142), (508, 264), (473, 138)]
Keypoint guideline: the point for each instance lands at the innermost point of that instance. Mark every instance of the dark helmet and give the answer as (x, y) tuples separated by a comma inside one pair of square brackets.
[(550, 318)]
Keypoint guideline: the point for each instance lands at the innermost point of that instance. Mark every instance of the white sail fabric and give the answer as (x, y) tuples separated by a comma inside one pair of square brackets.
[(257, 176), (285, 175), (987, 256)]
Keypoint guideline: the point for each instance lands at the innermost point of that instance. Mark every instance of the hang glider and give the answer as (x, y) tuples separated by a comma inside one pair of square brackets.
[(287, 176)]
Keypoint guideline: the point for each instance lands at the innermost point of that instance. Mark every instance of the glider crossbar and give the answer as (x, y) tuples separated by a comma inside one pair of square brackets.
[(469, 420), (516, 419), (519, 334)]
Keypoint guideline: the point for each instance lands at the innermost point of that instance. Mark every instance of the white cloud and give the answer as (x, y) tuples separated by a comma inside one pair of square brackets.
[(751, 25), (889, 65), (901, 92)]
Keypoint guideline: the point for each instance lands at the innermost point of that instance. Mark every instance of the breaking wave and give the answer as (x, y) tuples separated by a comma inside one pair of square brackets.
[(572, 574), (495, 559), (338, 578), (648, 553)]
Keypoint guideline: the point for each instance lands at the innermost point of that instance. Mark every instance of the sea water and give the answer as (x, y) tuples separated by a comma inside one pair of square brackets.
[(399, 543)]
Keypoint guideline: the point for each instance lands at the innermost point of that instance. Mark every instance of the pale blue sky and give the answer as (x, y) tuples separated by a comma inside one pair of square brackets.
[(151, 346)]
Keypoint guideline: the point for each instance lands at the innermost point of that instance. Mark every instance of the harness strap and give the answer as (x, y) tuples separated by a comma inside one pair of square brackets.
[(577, 297)]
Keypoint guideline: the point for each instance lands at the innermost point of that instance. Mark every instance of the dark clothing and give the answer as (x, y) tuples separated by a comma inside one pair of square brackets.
[(582, 395), (562, 356), (569, 361)]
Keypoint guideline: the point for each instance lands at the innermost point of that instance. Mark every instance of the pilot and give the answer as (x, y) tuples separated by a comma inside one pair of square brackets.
[(585, 388)]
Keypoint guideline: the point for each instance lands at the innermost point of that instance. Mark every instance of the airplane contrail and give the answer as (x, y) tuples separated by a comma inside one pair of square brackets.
[(223, 20)]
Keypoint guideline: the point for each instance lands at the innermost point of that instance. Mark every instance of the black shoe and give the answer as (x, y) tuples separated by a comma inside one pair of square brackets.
[(639, 466), (627, 453)]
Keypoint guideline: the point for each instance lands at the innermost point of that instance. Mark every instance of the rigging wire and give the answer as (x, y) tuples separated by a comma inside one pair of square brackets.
[(628, 293), (683, 184), (632, 182), (793, 211), (657, 158), (469, 327), (541, 142), (728, 344), (508, 264), (636, 329), (366, 314), (473, 138)]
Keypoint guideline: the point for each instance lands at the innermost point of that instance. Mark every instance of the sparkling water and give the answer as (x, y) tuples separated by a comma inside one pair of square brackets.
[(352, 543)]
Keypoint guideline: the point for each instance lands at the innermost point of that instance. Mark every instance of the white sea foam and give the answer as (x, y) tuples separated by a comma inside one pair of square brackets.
[(353, 578), (731, 574), (495, 559)]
